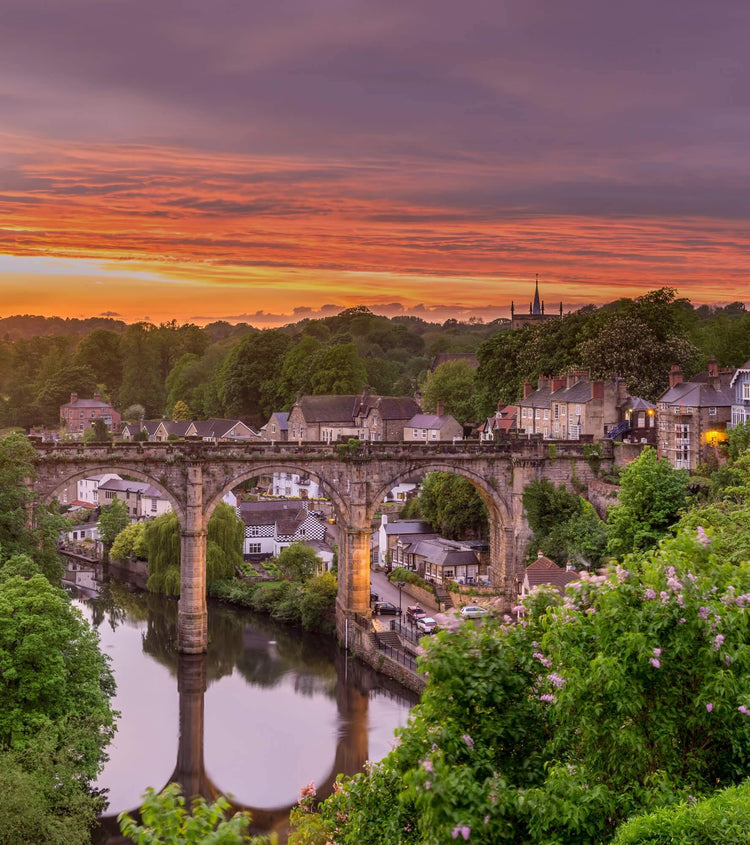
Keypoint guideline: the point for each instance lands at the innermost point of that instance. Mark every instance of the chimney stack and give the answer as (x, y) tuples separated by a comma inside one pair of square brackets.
[(73, 398), (675, 375), (528, 388), (439, 409)]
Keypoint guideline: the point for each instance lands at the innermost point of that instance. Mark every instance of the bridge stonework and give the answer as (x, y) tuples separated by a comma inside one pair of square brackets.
[(194, 476)]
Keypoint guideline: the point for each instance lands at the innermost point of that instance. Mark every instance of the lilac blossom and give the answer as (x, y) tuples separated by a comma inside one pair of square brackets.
[(719, 639), (461, 830), (545, 661), (548, 696), (468, 740), (428, 765), (556, 680), (655, 662), (703, 538), (703, 613), (649, 594), (709, 707), (743, 710)]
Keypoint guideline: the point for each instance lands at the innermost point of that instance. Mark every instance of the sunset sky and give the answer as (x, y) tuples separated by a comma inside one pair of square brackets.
[(265, 161)]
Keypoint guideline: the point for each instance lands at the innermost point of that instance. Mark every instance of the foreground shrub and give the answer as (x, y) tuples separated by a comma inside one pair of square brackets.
[(630, 694), (723, 819)]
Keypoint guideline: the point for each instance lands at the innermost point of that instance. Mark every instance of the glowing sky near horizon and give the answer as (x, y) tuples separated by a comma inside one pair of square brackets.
[(262, 162)]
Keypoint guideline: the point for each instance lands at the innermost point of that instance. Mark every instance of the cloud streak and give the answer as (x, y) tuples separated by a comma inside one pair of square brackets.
[(342, 152)]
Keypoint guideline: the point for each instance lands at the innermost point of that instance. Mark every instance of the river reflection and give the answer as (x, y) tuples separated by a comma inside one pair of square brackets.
[(265, 711)]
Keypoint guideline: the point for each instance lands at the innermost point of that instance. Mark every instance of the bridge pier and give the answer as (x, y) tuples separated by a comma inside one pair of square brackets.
[(192, 611)]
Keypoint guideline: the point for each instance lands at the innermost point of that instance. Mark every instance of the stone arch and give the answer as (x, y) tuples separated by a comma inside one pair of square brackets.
[(503, 564), (489, 494), (215, 495), (52, 486)]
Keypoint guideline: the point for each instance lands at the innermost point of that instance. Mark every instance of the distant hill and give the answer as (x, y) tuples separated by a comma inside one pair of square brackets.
[(30, 325)]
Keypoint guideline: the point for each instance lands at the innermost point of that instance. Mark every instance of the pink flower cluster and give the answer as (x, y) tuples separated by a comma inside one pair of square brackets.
[(654, 661), (556, 680), (545, 661), (461, 830)]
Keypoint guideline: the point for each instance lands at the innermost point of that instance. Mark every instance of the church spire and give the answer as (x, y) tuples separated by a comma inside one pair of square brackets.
[(537, 309)]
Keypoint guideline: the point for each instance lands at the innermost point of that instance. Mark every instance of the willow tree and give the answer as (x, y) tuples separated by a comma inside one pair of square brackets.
[(223, 550)]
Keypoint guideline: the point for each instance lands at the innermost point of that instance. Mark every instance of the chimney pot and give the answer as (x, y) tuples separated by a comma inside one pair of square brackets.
[(675, 375)]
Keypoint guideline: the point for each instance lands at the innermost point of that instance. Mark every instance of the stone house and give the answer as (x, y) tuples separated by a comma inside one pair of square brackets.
[(277, 427), (503, 421), (693, 416), (143, 500), (571, 406), (79, 415), (432, 428), (272, 526)]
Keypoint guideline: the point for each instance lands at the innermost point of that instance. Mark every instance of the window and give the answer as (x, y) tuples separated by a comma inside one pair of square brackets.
[(538, 414), (556, 409), (253, 530), (546, 414), (562, 410), (424, 433), (253, 548), (414, 433), (523, 413), (746, 391), (433, 434), (578, 410), (153, 505), (712, 412)]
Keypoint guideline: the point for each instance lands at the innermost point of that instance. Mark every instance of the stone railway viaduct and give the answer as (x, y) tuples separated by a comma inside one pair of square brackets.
[(194, 476)]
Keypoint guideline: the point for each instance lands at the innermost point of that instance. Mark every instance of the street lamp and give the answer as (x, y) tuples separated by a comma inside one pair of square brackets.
[(400, 585)]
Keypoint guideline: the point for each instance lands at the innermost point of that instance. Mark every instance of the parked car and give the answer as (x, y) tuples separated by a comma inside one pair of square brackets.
[(385, 608), (414, 612), (473, 611), (427, 625)]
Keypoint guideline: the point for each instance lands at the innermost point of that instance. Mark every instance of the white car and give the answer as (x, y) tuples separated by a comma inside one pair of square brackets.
[(473, 611), (427, 625)]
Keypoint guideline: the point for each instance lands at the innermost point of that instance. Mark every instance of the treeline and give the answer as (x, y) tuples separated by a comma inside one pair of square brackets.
[(239, 371)]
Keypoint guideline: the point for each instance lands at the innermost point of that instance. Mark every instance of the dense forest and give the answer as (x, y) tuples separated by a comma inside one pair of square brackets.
[(224, 370)]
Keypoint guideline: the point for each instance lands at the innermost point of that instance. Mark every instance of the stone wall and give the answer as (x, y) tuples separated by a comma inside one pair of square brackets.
[(602, 496)]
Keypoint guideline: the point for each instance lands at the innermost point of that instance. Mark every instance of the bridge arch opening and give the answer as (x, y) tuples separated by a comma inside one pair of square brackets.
[(52, 489), (494, 495)]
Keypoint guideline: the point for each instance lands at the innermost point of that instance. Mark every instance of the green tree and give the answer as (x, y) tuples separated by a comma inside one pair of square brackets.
[(130, 542), (223, 549), (54, 677), (142, 376), (452, 505), (652, 494), (298, 561), (166, 821), (339, 370), (452, 385), (248, 381), (101, 353), (318, 603), (181, 411), (19, 533), (738, 440), (113, 519)]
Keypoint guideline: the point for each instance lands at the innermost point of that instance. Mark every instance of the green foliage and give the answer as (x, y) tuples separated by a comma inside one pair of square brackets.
[(54, 677), (451, 384), (226, 535), (738, 440), (628, 695), (409, 577), (452, 505), (298, 561), (722, 819), (41, 797), (162, 541), (652, 494), (339, 370), (17, 536), (130, 542), (166, 821), (112, 521), (318, 603), (181, 411)]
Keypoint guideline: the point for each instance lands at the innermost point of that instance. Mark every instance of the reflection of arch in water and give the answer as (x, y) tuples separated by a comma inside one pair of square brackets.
[(190, 772)]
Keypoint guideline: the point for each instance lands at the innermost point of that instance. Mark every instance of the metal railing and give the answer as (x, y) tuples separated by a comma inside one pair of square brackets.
[(402, 657)]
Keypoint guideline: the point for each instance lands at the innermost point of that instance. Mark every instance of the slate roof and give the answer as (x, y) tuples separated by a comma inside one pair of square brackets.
[(322, 409), (443, 552), (271, 513), (395, 407), (539, 398), (86, 403), (120, 486), (408, 526), (432, 421), (697, 395)]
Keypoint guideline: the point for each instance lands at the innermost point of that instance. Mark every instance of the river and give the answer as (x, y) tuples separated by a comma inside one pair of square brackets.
[(268, 709)]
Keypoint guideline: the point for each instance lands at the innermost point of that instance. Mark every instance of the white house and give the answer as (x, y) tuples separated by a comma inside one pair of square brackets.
[(271, 526), (88, 488)]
